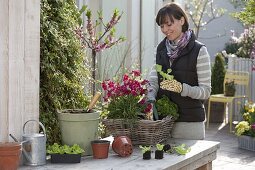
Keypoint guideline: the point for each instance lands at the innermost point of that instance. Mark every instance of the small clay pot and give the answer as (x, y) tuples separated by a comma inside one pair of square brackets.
[(100, 149), (159, 154), (10, 155), (147, 155), (122, 145)]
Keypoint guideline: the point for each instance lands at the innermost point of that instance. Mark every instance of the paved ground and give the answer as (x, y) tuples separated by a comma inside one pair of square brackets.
[(229, 156)]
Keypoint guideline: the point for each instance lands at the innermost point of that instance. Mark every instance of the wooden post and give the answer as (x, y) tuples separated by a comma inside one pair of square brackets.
[(19, 65), (4, 70)]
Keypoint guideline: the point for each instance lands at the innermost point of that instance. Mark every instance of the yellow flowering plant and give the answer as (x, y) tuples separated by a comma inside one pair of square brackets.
[(247, 126)]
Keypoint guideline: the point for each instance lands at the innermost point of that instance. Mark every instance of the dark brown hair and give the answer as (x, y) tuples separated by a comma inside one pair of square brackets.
[(172, 10)]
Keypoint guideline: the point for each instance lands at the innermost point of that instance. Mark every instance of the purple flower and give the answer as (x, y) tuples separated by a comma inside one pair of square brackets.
[(253, 126)]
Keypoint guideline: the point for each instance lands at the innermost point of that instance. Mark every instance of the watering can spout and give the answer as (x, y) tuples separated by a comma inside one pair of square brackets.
[(24, 150), (15, 139)]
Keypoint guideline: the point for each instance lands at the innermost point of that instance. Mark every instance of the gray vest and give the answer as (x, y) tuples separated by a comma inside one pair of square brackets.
[(184, 71)]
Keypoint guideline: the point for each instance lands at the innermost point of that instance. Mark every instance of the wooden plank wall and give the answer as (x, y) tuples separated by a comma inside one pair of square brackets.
[(242, 64), (19, 65)]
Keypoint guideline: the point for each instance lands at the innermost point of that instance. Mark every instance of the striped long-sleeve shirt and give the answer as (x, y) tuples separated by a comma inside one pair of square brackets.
[(202, 91)]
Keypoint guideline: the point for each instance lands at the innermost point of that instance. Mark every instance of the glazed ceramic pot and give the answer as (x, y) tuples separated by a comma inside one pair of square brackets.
[(100, 149), (10, 155), (122, 145)]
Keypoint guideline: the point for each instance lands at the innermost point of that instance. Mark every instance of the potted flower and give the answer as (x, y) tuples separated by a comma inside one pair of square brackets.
[(245, 130), (65, 153), (125, 103), (125, 99), (159, 151), (230, 88), (128, 113), (146, 151)]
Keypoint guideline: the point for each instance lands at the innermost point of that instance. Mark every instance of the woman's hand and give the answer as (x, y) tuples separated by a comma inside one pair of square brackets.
[(171, 85)]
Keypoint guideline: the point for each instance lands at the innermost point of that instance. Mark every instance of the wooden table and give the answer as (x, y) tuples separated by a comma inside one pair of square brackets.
[(200, 157)]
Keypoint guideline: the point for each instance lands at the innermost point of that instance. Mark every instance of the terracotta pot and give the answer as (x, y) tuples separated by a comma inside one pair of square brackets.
[(10, 155), (122, 145), (100, 148)]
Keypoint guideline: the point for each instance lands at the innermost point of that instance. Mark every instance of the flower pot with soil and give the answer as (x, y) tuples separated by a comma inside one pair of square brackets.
[(100, 149), (230, 88), (146, 151), (80, 126), (159, 153), (10, 155)]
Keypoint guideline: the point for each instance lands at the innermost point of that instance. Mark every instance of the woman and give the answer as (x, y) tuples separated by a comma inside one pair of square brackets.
[(190, 64)]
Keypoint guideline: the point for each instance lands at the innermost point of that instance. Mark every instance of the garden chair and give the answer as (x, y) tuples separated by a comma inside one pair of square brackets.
[(241, 80)]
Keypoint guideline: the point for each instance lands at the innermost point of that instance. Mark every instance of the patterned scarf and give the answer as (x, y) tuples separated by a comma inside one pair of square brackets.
[(174, 49)]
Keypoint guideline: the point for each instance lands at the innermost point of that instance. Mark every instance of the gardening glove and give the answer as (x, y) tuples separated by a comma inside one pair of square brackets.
[(171, 85), (154, 109)]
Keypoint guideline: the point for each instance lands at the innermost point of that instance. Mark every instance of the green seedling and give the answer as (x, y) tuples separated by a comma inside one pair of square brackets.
[(182, 149), (159, 146), (145, 148), (166, 76)]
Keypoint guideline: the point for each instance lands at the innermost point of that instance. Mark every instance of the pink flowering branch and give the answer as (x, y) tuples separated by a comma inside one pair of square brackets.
[(95, 40)]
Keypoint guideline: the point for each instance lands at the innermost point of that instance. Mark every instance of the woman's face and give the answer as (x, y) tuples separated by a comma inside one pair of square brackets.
[(172, 30)]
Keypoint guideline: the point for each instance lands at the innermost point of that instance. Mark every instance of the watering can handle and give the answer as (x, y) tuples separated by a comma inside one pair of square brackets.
[(44, 131)]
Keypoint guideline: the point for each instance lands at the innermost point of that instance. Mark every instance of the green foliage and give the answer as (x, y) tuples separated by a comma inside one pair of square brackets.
[(166, 76), (247, 16), (125, 107), (218, 74), (160, 146), (65, 149), (230, 85), (182, 149), (231, 48), (62, 70), (145, 148), (166, 107)]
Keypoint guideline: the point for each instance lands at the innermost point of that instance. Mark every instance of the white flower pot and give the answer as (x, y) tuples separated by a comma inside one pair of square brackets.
[(246, 142)]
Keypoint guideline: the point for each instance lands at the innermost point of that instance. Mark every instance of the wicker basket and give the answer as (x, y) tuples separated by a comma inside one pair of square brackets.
[(144, 132)]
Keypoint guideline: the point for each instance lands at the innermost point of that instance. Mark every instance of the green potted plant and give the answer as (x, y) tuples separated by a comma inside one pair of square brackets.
[(159, 153), (125, 99), (146, 151), (165, 107), (73, 123), (62, 68), (230, 88), (65, 153)]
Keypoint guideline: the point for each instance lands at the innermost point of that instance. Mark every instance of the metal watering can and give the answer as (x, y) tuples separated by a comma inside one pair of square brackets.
[(34, 146)]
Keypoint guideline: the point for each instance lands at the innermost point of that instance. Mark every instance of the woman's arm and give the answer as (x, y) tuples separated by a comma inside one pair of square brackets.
[(153, 88), (203, 90)]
